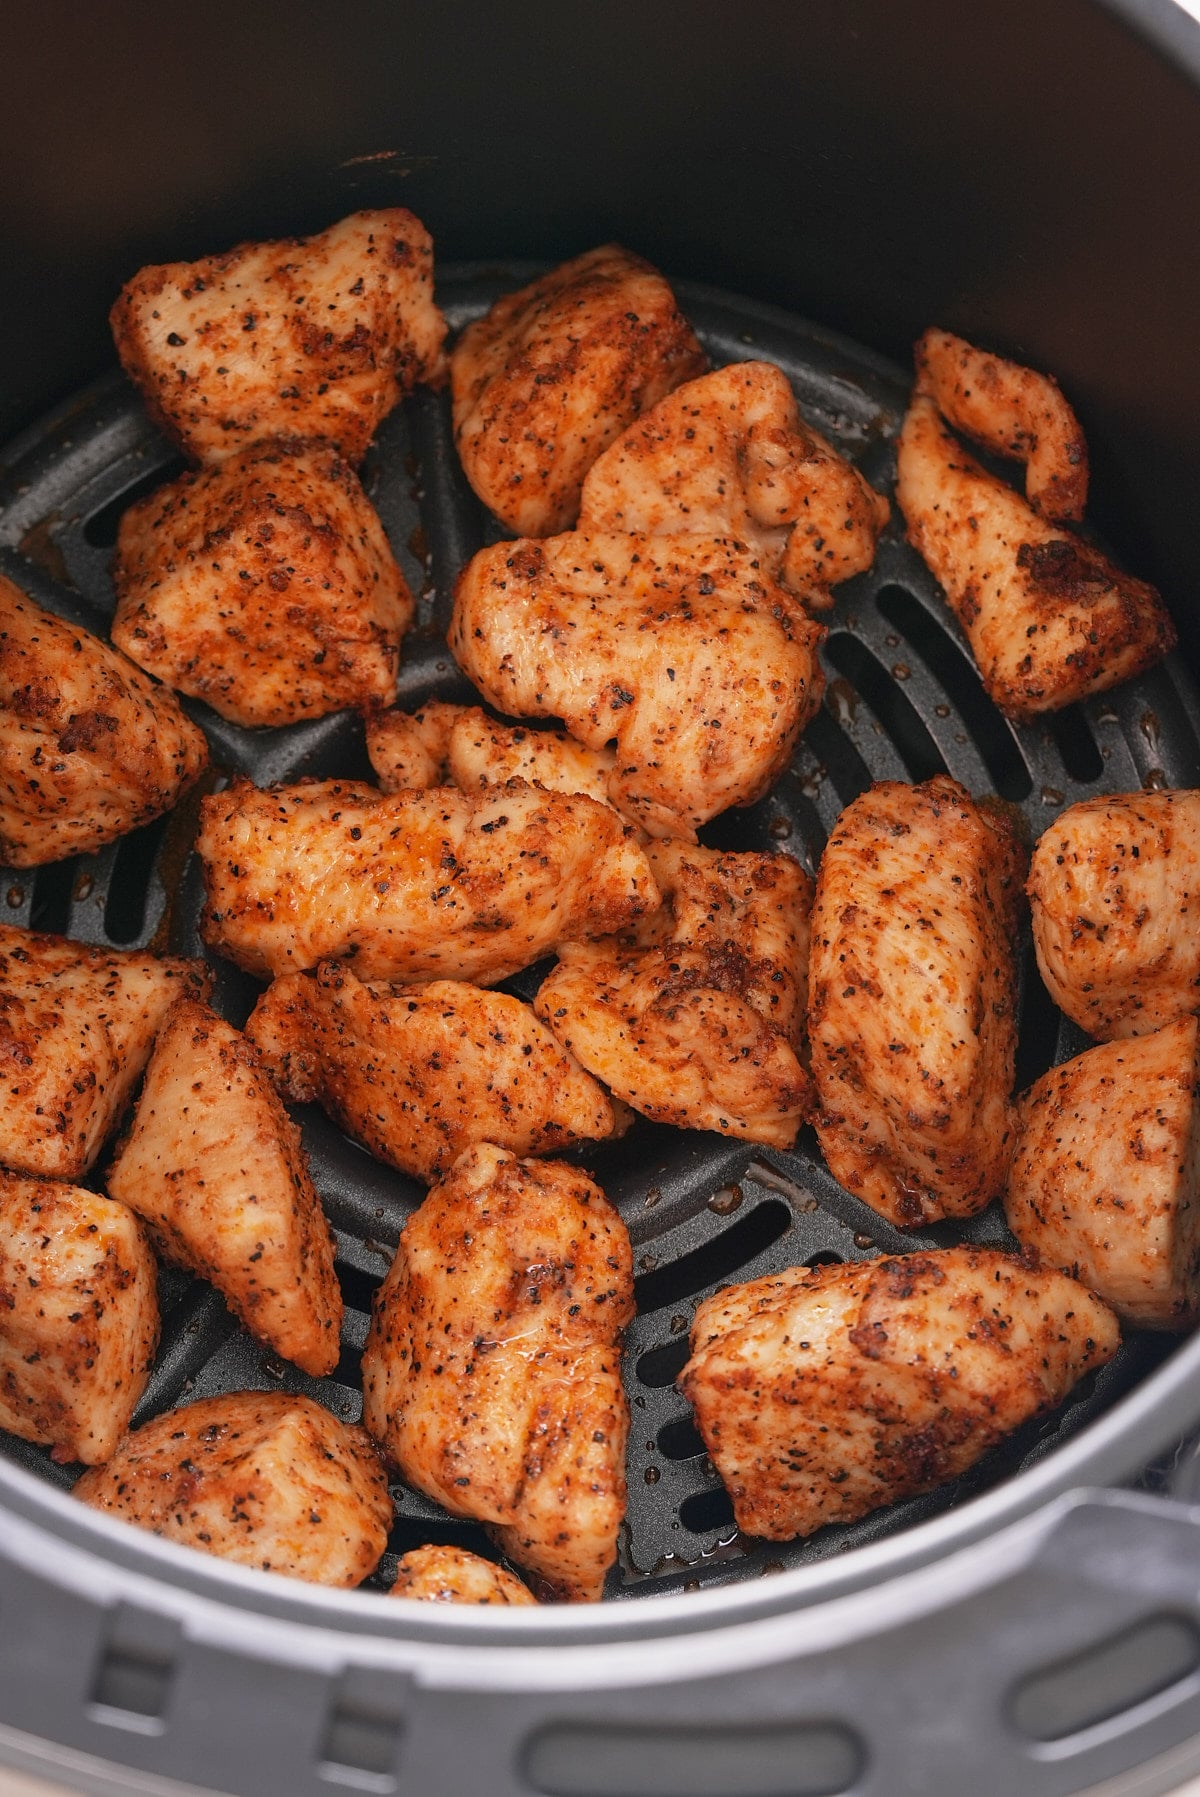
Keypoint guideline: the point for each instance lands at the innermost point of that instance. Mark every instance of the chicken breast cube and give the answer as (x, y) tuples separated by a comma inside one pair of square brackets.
[(1050, 620), (264, 586), (912, 1010), (1011, 411), (417, 1074), (825, 1392), (450, 1575), (460, 745), (89, 746), (1105, 1180), (679, 648), (305, 337), (76, 1029), (213, 1163), (554, 373), (1115, 889), (414, 886), (728, 455), (695, 1016), (492, 1370), (264, 1478), (78, 1317)]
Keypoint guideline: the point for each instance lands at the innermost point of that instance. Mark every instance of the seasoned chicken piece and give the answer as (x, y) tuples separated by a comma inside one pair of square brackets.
[(305, 337), (78, 1317), (89, 746), (460, 745), (492, 1370), (912, 1010), (825, 1392), (695, 1016), (1049, 618), (1115, 889), (265, 586), (555, 372), (268, 1479), (679, 648), (728, 455), (416, 885), (417, 1074), (1105, 1180), (214, 1165), (76, 1029), (1012, 411), (450, 1575)]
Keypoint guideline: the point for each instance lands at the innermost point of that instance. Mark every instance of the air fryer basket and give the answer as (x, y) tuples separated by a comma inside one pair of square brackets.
[(1007, 1630)]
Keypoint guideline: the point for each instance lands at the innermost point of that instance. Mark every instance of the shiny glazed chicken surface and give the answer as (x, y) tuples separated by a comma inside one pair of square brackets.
[(554, 372), (268, 1479), (492, 1371), (825, 1392), (304, 337)]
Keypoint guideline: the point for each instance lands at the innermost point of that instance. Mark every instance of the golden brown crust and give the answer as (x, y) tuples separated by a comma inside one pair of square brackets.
[(264, 586), (450, 1575), (912, 1006), (304, 337), (555, 372)]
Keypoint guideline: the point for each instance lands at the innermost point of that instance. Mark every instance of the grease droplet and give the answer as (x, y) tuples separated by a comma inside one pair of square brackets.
[(726, 1201), (864, 1241), (652, 1475), (82, 887), (1050, 795), (652, 1197), (902, 671), (16, 896), (942, 711), (1154, 780), (678, 1325), (780, 828)]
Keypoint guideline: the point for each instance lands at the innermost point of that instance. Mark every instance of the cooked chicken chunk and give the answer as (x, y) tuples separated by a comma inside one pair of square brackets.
[(213, 1163), (728, 455), (1049, 618), (264, 586), (912, 1012), (1115, 890), (417, 1074), (1105, 1180), (1012, 411), (492, 1371), (450, 1575), (414, 886), (825, 1392), (78, 1317), (679, 648), (306, 337), (694, 1017), (264, 1478), (89, 746), (76, 1029), (555, 372), (460, 745)]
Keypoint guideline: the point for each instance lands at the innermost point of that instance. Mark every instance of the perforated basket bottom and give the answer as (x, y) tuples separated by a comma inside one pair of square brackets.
[(903, 702)]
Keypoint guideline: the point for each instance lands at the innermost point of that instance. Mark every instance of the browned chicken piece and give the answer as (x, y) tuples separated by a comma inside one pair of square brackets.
[(1049, 618), (1105, 1180), (90, 747), (78, 1317), (264, 586), (825, 1392), (76, 1028), (1115, 889), (413, 885), (912, 1009), (695, 1016), (681, 649), (460, 745), (305, 337), (729, 455), (214, 1165), (450, 1575), (492, 1370), (268, 1479), (417, 1074), (555, 372), (1012, 411)]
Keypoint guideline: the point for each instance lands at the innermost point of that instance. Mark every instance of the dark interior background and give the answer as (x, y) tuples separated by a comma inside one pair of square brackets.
[(1026, 172)]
